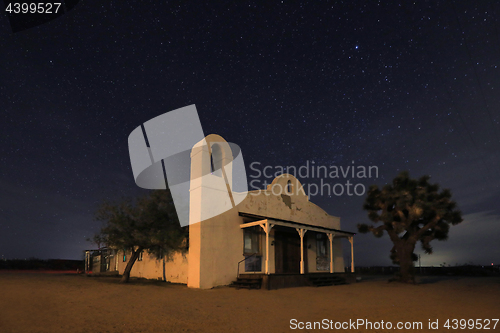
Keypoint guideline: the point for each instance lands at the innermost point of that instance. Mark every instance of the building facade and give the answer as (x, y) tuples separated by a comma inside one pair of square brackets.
[(272, 231)]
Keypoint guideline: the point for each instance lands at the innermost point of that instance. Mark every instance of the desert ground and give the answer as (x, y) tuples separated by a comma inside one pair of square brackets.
[(37, 302)]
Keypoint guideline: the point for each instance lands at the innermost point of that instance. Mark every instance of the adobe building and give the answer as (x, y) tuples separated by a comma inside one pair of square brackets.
[(275, 235)]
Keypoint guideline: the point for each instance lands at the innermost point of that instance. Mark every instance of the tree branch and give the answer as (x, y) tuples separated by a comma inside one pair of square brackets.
[(428, 226)]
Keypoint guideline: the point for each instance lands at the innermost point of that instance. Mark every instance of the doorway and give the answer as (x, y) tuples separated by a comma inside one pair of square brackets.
[(287, 251)]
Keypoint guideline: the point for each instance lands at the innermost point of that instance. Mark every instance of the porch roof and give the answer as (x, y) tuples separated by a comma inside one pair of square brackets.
[(292, 224)]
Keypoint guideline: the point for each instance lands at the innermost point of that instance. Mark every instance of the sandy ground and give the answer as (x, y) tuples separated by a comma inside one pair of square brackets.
[(34, 302)]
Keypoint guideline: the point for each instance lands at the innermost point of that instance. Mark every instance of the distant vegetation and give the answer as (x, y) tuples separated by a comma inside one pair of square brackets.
[(462, 270), (40, 264)]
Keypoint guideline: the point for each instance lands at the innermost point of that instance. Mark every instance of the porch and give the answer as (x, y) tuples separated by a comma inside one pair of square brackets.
[(289, 254), (100, 261)]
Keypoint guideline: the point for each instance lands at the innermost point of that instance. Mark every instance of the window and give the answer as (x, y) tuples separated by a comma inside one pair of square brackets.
[(140, 256), (289, 187), (124, 255), (322, 258), (253, 264), (251, 250), (321, 245), (251, 241), (216, 160)]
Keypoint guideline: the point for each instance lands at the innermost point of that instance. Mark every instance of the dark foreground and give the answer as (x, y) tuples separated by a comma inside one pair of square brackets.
[(34, 302)]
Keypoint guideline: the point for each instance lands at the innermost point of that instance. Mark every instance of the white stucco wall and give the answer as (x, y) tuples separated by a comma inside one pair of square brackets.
[(216, 243)]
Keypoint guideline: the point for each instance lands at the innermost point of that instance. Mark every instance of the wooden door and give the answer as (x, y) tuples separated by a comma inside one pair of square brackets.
[(287, 251)]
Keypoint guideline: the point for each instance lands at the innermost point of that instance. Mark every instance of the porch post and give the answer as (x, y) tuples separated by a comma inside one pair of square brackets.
[(330, 237), (267, 229), (351, 240), (116, 260), (301, 232)]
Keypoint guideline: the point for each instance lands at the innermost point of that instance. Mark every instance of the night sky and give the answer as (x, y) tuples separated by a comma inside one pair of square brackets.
[(401, 86)]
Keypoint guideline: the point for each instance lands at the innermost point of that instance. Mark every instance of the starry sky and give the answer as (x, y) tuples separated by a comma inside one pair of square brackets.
[(397, 85)]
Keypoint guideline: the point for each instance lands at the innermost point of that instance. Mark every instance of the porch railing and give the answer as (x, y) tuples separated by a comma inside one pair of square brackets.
[(239, 262)]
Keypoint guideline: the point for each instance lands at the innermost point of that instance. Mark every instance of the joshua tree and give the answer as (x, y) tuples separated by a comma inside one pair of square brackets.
[(410, 210)]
